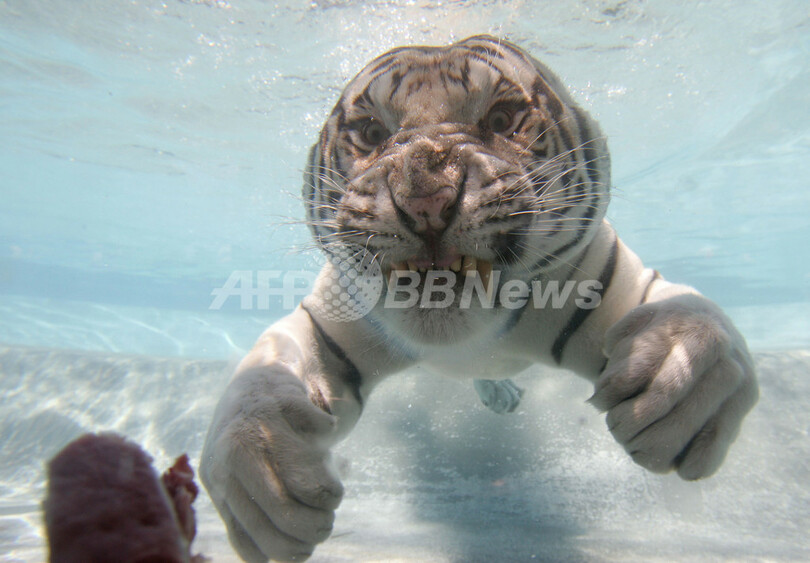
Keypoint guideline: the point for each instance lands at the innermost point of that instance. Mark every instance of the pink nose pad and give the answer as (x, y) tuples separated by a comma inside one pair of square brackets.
[(432, 212)]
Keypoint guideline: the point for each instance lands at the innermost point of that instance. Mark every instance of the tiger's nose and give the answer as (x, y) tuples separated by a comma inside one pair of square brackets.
[(431, 213), (429, 188)]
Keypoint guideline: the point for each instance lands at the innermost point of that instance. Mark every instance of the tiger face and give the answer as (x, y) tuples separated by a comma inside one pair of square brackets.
[(470, 159)]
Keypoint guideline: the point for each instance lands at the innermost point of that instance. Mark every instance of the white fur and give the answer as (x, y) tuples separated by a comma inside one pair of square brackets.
[(676, 384)]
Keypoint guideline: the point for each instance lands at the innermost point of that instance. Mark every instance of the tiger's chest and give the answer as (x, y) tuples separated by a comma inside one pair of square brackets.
[(488, 357)]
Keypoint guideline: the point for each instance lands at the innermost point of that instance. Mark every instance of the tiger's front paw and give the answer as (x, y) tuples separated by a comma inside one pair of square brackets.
[(267, 469), (678, 382)]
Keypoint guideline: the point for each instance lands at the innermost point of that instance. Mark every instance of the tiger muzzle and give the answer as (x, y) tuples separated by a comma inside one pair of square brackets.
[(427, 184)]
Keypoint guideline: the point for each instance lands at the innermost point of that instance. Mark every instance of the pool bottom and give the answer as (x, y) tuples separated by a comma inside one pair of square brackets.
[(431, 475)]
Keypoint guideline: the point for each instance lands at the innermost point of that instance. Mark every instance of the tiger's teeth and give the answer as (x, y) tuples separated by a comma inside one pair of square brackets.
[(464, 265), (468, 265), (485, 271)]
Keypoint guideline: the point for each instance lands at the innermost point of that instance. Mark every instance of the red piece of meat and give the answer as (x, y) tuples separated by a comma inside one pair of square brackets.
[(105, 503)]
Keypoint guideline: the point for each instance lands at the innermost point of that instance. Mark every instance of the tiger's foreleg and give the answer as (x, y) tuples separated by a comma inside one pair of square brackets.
[(678, 378), (677, 384), (266, 462)]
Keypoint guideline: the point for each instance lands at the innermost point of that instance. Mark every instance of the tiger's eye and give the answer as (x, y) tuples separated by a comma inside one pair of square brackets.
[(499, 120), (374, 132)]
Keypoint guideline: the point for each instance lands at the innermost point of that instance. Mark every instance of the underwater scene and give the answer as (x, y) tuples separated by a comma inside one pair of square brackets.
[(154, 157)]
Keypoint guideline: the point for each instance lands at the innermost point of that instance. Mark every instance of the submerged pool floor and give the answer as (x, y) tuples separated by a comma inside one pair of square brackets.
[(430, 474)]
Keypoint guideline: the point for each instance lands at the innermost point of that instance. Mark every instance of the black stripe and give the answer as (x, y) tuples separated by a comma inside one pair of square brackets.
[(488, 61), (317, 210), (497, 46), (396, 82), (541, 264), (537, 269), (311, 181), (504, 245), (516, 52), (311, 191), (604, 365), (516, 315), (591, 154), (540, 185), (567, 140), (352, 376), (646, 294), (590, 211), (323, 168), (579, 316), (522, 122), (363, 100), (570, 199), (331, 195), (347, 138), (505, 86), (579, 188), (385, 61), (555, 106), (464, 77), (490, 50), (558, 252)]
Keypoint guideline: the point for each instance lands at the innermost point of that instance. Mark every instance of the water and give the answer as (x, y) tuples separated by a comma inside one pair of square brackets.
[(149, 149)]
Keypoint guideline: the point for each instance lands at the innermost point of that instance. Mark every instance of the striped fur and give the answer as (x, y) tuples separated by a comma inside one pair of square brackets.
[(559, 187), (532, 196), (430, 155)]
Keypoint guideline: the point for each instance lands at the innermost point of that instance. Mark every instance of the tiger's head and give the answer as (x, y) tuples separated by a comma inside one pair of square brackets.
[(471, 159)]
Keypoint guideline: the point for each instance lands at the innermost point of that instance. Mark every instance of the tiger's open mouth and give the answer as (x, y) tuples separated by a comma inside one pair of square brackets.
[(457, 274)]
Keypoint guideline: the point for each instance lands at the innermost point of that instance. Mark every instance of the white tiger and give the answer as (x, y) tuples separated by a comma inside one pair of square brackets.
[(466, 162)]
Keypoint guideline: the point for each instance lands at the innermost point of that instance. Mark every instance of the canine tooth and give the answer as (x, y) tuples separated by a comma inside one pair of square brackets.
[(411, 266), (399, 266), (485, 271), (468, 265), (456, 266)]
